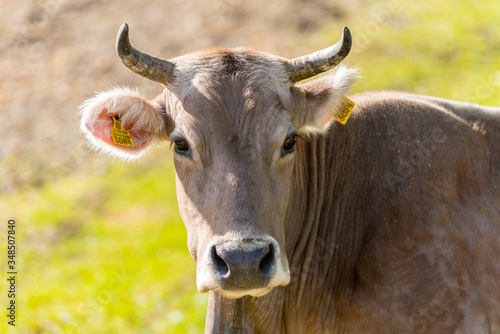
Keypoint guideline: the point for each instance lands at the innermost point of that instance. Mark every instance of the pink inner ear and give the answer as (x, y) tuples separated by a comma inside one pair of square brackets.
[(102, 132), (101, 129)]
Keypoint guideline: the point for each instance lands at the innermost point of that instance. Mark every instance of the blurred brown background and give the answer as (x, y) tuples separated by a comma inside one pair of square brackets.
[(56, 53)]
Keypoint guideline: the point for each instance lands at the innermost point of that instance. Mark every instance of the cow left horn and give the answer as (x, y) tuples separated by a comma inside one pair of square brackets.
[(320, 61), (152, 68)]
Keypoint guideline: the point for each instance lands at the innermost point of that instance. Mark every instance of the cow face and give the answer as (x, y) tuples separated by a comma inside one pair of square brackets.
[(233, 118)]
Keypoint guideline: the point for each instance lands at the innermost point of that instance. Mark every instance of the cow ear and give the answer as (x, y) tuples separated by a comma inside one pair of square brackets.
[(145, 121), (314, 101)]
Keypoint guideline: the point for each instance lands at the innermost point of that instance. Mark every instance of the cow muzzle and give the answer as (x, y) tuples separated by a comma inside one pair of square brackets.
[(242, 267)]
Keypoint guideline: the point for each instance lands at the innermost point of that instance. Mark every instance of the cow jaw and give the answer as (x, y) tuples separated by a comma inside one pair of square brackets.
[(242, 267)]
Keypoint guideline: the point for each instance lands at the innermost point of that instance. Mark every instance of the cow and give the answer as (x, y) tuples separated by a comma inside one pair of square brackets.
[(389, 223)]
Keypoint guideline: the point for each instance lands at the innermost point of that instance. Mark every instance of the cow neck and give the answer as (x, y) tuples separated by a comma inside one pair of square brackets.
[(324, 233)]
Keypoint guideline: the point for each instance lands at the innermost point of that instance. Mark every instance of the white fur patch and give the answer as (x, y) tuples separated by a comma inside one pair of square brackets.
[(340, 82), (138, 116), (252, 292)]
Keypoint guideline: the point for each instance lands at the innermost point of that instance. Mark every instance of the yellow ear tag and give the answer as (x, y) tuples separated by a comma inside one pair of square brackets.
[(120, 136), (342, 113)]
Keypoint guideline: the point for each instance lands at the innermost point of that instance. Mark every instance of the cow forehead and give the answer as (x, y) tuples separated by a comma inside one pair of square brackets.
[(234, 93), (225, 61)]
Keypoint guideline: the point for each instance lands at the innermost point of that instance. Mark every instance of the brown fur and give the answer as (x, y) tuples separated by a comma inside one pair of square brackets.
[(389, 224), (394, 225)]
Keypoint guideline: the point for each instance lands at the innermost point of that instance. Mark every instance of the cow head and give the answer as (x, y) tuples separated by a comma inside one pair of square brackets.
[(233, 117)]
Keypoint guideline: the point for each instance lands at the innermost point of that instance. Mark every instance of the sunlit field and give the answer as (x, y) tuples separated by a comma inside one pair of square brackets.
[(101, 246)]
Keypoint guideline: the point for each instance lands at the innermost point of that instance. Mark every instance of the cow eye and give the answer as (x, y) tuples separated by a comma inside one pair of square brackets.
[(181, 146), (289, 145)]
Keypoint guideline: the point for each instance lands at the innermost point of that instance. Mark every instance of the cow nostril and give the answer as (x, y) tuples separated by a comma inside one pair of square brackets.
[(220, 265), (266, 264)]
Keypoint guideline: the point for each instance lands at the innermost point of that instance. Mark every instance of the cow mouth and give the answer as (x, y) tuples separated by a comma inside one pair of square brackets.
[(253, 292), (239, 294)]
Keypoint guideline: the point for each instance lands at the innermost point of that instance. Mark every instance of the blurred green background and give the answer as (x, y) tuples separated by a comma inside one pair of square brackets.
[(101, 247)]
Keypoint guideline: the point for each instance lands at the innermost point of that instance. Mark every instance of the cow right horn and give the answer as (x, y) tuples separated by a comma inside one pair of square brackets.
[(320, 61), (152, 68)]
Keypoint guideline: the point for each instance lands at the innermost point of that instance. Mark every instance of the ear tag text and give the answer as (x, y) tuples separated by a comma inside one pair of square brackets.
[(120, 136), (343, 112)]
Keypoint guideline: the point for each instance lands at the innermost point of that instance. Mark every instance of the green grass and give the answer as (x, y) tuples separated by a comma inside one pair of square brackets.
[(106, 252), (429, 48)]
